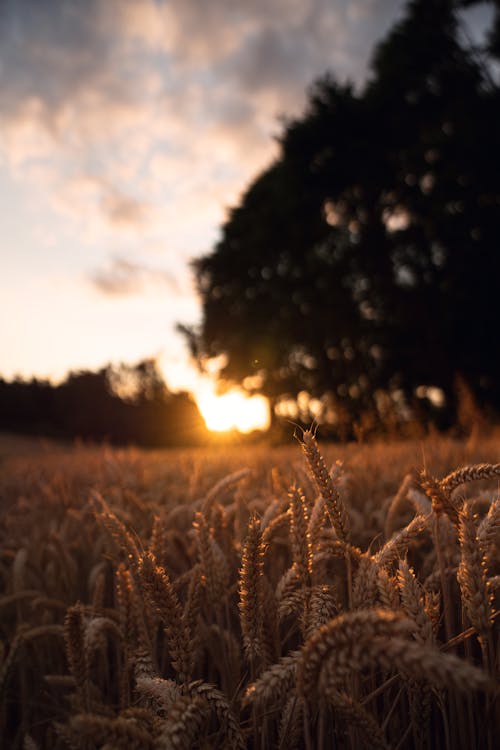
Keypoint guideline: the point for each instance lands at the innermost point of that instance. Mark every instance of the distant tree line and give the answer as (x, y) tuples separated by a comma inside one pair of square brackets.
[(125, 404), (362, 267)]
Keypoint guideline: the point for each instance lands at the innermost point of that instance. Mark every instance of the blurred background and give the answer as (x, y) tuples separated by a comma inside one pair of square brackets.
[(229, 216)]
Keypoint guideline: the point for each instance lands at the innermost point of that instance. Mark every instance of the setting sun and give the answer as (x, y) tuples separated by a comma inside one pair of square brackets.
[(233, 411)]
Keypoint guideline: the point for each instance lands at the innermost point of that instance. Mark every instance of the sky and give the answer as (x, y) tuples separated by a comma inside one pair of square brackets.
[(127, 130)]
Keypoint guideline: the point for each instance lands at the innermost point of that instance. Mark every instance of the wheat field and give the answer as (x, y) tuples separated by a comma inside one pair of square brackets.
[(314, 596)]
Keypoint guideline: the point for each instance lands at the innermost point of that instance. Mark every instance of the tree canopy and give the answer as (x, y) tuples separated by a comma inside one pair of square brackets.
[(366, 258)]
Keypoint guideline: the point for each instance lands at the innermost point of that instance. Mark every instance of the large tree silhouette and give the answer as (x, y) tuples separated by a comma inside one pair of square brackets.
[(366, 258)]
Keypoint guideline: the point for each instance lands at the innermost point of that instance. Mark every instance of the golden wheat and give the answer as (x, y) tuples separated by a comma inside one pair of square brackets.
[(280, 605)]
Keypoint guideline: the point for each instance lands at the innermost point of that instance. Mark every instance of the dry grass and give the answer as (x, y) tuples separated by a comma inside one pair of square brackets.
[(253, 598)]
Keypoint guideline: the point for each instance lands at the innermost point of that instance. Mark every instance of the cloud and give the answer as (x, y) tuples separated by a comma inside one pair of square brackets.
[(51, 50), (123, 210), (94, 67), (124, 278), (104, 211), (145, 115)]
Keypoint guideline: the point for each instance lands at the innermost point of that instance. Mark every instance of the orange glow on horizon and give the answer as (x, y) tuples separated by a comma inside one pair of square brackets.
[(233, 410)]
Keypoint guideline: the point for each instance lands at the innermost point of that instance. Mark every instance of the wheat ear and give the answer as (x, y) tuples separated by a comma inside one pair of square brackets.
[(469, 474), (70, 737), (292, 722), (251, 593), (354, 714), (488, 532), (476, 596), (370, 638), (95, 633), (413, 602), (222, 487), (120, 733), (29, 743), (274, 684), (163, 692), (276, 526), (334, 505), (162, 598), (300, 538), (396, 503), (399, 542), (217, 702), (120, 535), (213, 563), (388, 590), (323, 605), (74, 636), (364, 592), (441, 499), (185, 720)]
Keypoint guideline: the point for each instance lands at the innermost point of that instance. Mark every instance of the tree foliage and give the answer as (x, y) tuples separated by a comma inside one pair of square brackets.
[(366, 257)]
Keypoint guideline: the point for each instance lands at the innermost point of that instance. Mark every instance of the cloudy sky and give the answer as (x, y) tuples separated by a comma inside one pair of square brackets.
[(127, 128)]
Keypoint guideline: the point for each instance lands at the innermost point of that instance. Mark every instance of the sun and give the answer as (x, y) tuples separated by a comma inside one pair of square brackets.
[(233, 410)]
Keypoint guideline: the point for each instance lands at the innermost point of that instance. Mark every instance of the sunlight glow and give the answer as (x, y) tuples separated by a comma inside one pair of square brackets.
[(233, 410)]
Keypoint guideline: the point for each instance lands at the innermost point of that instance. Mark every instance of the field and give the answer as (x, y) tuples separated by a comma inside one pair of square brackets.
[(313, 596)]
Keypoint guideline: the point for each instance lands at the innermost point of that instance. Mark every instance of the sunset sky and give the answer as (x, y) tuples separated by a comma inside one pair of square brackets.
[(127, 128)]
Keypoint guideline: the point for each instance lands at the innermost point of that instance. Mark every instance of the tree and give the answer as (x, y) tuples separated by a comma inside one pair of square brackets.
[(124, 404), (365, 259)]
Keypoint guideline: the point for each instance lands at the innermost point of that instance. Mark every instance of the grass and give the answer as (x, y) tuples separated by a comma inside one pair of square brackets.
[(310, 596)]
